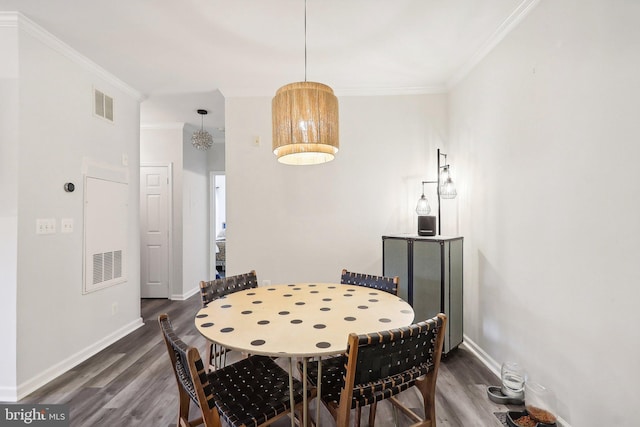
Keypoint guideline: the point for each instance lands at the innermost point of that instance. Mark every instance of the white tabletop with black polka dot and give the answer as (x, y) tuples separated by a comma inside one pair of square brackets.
[(305, 319)]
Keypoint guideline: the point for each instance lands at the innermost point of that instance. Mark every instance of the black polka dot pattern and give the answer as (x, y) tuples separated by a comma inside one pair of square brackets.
[(301, 319)]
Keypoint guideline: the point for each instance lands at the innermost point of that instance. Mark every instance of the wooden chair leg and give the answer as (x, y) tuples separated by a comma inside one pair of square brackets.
[(358, 416), (183, 409), (372, 413)]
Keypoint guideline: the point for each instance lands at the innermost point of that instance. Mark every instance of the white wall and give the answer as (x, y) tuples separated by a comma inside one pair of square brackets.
[(307, 223), (8, 208), (546, 134), (215, 156), (58, 136), (163, 145)]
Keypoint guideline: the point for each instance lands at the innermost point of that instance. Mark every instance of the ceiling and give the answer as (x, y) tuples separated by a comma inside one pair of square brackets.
[(190, 54)]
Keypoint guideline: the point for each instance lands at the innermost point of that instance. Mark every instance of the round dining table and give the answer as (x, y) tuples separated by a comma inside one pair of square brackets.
[(300, 320)]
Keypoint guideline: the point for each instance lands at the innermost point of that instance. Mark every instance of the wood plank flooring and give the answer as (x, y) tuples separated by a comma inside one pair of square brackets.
[(130, 383)]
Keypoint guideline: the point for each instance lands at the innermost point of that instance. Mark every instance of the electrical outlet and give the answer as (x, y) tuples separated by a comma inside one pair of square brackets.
[(266, 283), (114, 308), (66, 225)]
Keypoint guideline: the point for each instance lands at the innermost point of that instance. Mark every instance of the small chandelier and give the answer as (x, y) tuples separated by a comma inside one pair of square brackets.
[(202, 139), (305, 120)]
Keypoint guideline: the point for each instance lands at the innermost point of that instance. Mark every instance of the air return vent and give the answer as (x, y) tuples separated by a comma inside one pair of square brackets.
[(107, 266), (103, 105)]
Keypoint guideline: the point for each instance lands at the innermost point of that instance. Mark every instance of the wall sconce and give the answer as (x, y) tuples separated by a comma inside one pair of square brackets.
[(445, 190)]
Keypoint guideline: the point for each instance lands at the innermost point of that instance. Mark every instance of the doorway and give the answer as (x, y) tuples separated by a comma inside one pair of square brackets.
[(155, 231), (218, 223)]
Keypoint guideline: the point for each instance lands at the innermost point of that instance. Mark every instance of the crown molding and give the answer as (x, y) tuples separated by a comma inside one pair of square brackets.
[(391, 91), (17, 19), (364, 91), (162, 126), (512, 21), (8, 19)]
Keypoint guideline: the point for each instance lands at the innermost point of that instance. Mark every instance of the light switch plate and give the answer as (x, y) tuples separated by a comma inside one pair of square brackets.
[(45, 226)]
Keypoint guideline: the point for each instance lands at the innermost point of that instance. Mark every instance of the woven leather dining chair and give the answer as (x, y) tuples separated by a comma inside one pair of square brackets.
[(380, 365), (387, 284), (252, 392), (217, 355)]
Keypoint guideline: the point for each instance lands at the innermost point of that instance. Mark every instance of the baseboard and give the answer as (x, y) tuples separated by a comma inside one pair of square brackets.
[(493, 366), (186, 295), (8, 394), (55, 371), (482, 355)]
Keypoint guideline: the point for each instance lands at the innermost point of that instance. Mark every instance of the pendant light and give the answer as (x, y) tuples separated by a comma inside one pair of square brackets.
[(305, 120), (201, 139)]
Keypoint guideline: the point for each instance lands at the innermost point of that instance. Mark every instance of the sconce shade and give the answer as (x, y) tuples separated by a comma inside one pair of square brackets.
[(423, 207), (448, 189), (305, 123)]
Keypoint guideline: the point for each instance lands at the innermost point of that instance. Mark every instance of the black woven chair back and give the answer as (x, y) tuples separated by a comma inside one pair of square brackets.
[(387, 284), (218, 288), (389, 362), (180, 353)]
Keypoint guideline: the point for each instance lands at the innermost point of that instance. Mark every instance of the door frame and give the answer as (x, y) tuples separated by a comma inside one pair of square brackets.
[(169, 167)]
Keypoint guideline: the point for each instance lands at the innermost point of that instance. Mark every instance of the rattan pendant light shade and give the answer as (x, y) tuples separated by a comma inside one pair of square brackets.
[(305, 124)]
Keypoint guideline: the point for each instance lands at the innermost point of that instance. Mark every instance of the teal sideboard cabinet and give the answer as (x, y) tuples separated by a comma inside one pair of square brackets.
[(430, 272)]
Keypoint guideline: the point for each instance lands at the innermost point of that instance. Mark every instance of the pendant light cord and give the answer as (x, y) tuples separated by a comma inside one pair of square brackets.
[(305, 40)]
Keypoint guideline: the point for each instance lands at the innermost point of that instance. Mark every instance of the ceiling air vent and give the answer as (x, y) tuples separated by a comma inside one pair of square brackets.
[(103, 105)]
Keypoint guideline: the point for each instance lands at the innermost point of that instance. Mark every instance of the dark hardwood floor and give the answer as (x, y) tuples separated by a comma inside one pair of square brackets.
[(130, 383)]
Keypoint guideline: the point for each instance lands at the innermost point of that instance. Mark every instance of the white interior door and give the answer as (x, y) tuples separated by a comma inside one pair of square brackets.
[(155, 222)]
